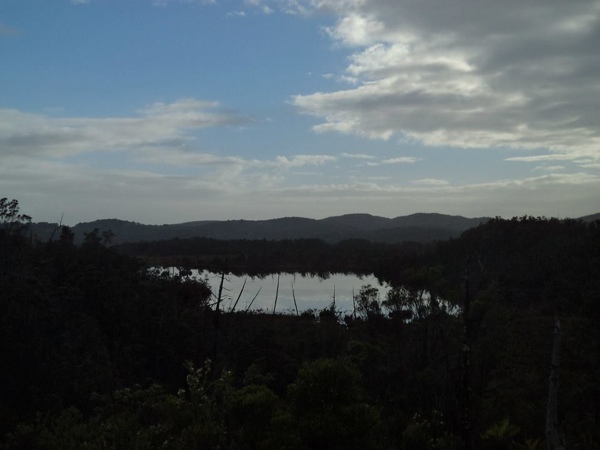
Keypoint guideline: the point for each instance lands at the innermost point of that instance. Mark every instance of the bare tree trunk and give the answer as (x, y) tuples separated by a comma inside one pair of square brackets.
[(276, 294), (216, 318), (239, 296), (553, 439), (57, 228), (253, 298), (334, 297), (294, 297)]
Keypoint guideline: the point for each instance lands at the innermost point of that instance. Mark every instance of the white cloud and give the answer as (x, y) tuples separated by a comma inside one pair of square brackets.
[(502, 195), (431, 182), (355, 29), (177, 157), (401, 160), (467, 74), (298, 161), (550, 169), (198, 2), (152, 156), (27, 134), (160, 134), (391, 161), (357, 155), (538, 158), (228, 187), (189, 158)]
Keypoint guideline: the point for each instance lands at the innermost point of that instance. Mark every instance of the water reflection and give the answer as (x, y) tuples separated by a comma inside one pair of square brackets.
[(310, 291)]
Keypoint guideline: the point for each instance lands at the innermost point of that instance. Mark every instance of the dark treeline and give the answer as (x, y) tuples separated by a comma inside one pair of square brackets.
[(415, 227), (98, 351), (524, 260), (272, 256)]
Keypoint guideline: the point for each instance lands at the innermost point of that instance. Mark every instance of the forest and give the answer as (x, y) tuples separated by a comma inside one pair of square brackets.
[(103, 350)]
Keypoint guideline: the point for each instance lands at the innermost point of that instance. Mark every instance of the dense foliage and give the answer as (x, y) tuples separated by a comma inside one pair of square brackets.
[(269, 256), (415, 227), (99, 351)]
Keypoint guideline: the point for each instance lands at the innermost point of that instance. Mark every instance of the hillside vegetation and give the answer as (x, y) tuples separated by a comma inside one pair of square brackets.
[(99, 351), (416, 227)]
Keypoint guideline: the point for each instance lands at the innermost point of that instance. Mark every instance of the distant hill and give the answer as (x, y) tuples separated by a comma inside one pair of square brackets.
[(440, 221), (125, 231), (415, 227), (590, 218), (420, 227)]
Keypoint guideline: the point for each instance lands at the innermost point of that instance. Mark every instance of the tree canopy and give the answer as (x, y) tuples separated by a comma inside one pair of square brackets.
[(100, 350)]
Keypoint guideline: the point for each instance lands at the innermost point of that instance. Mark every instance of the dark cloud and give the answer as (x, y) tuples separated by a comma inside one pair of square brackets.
[(468, 73)]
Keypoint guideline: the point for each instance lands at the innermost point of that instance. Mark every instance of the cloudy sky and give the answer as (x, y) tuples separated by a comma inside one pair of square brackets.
[(165, 111)]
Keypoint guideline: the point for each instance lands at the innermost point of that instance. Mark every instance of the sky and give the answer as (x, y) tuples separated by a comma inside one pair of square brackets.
[(168, 111)]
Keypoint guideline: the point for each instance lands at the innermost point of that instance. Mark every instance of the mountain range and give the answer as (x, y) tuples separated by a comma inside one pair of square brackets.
[(419, 227)]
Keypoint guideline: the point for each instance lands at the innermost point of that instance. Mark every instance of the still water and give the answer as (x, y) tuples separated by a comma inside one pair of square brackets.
[(311, 292)]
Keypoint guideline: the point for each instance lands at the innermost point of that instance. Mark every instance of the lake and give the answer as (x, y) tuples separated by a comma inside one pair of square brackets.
[(311, 292)]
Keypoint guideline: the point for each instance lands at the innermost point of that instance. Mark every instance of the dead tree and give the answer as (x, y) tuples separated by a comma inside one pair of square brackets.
[(294, 297), (216, 317), (553, 438), (276, 294)]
